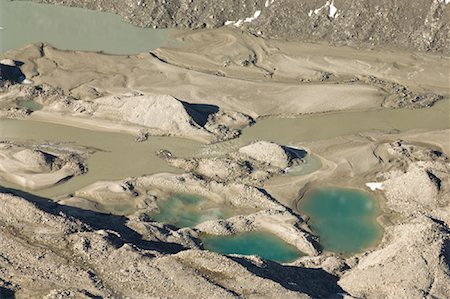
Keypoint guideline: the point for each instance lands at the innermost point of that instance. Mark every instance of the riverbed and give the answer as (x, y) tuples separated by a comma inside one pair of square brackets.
[(116, 157)]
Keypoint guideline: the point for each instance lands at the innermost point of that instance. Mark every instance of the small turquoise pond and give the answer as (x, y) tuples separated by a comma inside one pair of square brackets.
[(29, 104), (344, 219), (262, 244), (186, 210)]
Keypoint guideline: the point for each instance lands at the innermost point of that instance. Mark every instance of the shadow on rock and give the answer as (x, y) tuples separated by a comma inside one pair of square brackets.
[(317, 283), (6, 293), (200, 112), (10, 71), (295, 153), (98, 221)]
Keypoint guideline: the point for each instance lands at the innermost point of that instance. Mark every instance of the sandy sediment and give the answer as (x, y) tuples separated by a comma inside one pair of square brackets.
[(251, 164), (37, 166), (295, 76)]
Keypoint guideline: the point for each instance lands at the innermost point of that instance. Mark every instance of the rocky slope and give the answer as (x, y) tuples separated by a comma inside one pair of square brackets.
[(74, 253), (418, 25)]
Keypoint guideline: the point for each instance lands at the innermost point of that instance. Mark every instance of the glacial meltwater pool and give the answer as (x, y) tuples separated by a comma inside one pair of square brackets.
[(262, 244), (187, 210), (29, 104), (344, 219), (69, 28)]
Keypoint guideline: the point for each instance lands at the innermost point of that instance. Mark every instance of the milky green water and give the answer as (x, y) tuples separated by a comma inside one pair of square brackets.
[(187, 210), (344, 219), (330, 125), (117, 155), (24, 22), (312, 163), (29, 104), (262, 244)]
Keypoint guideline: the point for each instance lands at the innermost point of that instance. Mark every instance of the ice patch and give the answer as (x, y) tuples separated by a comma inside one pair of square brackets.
[(375, 186)]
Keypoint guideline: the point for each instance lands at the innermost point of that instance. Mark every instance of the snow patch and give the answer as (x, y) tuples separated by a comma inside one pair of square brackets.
[(255, 16), (375, 186), (238, 23), (269, 3), (26, 81), (332, 9)]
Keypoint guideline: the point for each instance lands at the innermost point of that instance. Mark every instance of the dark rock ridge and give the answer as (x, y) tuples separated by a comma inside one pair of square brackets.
[(419, 25)]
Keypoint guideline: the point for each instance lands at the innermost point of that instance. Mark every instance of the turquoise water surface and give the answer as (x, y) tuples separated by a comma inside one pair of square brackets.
[(262, 244), (186, 210), (344, 219)]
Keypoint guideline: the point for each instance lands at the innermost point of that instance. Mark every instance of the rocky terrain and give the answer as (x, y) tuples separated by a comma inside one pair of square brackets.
[(84, 245), (101, 240), (252, 164), (415, 25)]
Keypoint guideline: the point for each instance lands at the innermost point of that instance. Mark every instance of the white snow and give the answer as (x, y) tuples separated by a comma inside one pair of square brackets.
[(375, 186), (238, 23), (255, 16), (26, 81), (269, 3), (444, 1), (332, 9)]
